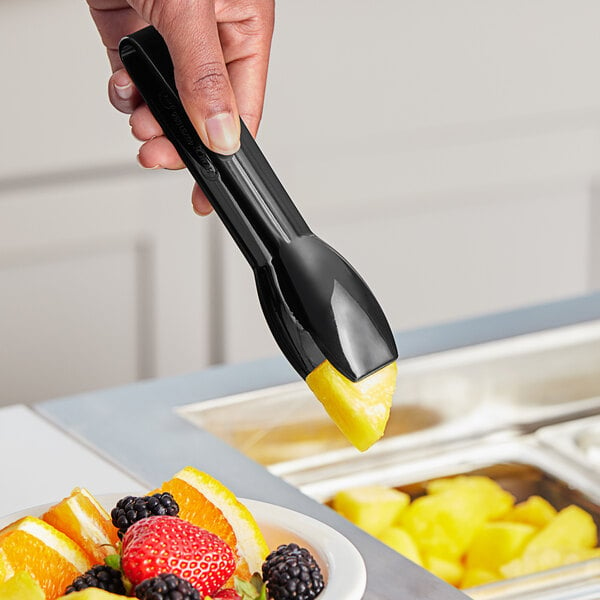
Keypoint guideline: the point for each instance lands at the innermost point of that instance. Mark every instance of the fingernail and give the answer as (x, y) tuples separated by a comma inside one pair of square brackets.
[(124, 91), (201, 213), (144, 166), (223, 134)]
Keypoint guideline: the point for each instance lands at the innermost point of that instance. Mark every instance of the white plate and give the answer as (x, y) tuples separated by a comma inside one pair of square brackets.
[(342, 565)]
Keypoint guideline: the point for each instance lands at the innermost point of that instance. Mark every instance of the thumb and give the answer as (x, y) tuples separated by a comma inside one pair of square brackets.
[(190, 31)]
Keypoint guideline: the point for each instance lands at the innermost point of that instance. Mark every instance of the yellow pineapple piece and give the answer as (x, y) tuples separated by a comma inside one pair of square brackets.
[(497, 543), (476, 576), (443, 525), (546, 558), (372, 508), (21, 586), (401, 541), (484, 493), (91, 594), (451, 571), (360, 409), (571, 529), (534, 511)]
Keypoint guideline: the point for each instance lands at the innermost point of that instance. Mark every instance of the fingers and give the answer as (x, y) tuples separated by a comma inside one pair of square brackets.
[(143, 124), (159, 153), (114, 21), (246, 41), (248, 79), (200, 203), (122, 93), (201, 74), (220, 51)]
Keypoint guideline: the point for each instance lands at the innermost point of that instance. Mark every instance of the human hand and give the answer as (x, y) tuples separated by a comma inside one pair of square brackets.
[(220, 51)]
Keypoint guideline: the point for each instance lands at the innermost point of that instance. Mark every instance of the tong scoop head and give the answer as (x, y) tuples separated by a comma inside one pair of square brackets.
[(335, 305)]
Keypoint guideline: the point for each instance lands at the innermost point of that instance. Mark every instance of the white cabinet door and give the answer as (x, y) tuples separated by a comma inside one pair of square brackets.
[(101, 283), (55, 111)]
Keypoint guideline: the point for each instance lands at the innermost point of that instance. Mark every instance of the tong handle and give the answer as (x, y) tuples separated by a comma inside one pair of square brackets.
[(242, 187)]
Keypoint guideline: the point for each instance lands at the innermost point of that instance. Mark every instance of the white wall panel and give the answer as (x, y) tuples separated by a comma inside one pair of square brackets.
[(56, 114), (102, 282), (63, 329), (377, 71), (444, 258)]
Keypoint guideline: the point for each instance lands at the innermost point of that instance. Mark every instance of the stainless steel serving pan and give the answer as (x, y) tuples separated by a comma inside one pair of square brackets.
[(524, 383), (579, 439), (520, 464)]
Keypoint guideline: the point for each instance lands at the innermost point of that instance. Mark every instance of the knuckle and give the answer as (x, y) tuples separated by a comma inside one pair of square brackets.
[(210, 79), (210, 82)]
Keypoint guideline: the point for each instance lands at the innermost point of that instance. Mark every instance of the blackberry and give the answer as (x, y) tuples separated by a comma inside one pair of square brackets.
[(101, 576), (291, 572), (166, 586), (131, 509)]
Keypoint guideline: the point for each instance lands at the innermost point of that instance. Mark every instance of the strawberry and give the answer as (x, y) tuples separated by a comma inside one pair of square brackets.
[(165, 544)]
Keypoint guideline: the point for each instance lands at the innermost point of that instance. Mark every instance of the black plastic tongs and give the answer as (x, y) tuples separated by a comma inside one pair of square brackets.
[(315, 303)]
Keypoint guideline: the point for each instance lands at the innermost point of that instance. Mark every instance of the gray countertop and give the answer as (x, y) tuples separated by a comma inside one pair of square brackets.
[(137, 428)]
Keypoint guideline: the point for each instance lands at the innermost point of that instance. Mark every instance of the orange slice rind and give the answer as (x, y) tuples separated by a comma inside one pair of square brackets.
[(81, 517), (207, 503), (49, 556)]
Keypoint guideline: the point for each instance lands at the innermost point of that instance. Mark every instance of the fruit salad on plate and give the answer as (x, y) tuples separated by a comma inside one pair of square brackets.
[(190, 539)]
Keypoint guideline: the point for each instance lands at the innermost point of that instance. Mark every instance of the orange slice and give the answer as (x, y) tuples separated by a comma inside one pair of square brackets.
[(48, 555), (6, 571), (207, 503), (84, 520)]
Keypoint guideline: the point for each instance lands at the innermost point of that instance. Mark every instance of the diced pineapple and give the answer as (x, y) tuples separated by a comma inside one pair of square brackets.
[(360, 409), (534, 511), (546, 558), (572, 529), (475, 576), (21, 586), (497, 543), (436, 486), (451, 571), (442, 524), (484, 493), (372, 508), (401, 541), (467, 530)]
